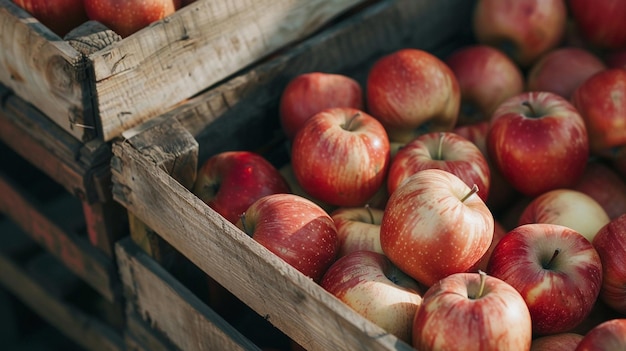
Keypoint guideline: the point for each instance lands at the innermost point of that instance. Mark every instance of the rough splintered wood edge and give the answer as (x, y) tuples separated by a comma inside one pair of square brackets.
[(292, 302), (161, 299), (224, 40)]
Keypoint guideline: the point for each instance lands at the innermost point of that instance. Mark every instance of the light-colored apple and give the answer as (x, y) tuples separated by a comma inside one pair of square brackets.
[(358, 228)]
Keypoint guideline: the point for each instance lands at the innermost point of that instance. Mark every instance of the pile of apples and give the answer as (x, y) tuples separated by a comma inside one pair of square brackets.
[(474, 201), (122, 16)]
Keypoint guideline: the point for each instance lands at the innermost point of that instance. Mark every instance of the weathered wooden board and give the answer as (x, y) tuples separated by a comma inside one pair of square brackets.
[(174, 311), (142, 76), (21, 279)]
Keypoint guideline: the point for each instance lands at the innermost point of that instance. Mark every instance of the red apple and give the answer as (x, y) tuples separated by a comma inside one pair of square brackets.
[(571, 208), (127, 17), (539, 142), (601, 101), (287, 172), (605, 186), (310, 93), (412, 92), (60, 16), (341, 156), (556, 342), (486, 76), (372, 286), (562, 70), (524, 29), (358, 228), (231, 181), (472, 311), (608, 336), (435, 225), (501, 192), (600, 22), (610, 242), (442, 150), (295, 229), (556, 270)]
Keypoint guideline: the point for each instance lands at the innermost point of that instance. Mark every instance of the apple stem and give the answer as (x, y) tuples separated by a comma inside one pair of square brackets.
[(348, 125), (440, 148), (530, 107), (483, 279), (556, 253), (472, 191)]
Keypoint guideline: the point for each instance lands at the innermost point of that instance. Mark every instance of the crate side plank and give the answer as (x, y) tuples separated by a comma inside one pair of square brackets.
[(79, 326), (174, 310), (41, 68), (289, 300), (77, 254), (151, 71)]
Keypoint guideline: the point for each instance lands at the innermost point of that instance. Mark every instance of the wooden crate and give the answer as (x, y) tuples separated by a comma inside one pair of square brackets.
[(58, 191), (60, 298), (94, 84), (154, 166)]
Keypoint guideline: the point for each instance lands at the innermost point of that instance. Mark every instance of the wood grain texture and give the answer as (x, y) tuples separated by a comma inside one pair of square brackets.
[(173, 309), (288, 299)]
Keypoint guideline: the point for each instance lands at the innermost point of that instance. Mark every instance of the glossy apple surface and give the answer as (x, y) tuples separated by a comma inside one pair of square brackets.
[(600, 22), (601, 101), (556, 270), (539, 142), (231, 181), (411, 92), (371, 285), (447, 151), (524, 29), (295, 229), (486, 76), (358, 228), (571, 208), (435, 225), (608, 336), (341, 156), (460, 312), (310, 93), (604, 185), (610, 242)]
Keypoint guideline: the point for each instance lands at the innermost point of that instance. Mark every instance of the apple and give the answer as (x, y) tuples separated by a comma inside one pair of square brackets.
[(447, 151), (486, 76), (498, 233), (562, 70), (600, 22), (230, 181), (435, 225), (60, 16), (127, 17), (556, 342), (524, 29), (501, 192), (571, 208), (610, 242), (601, 101), (312, 92), (411, 92), (286, 171), (539, 142), (358, 228), (604, 185), (556, 270), (608, 336), (371, 285), (341, 156), (472, 311), (295, 229)]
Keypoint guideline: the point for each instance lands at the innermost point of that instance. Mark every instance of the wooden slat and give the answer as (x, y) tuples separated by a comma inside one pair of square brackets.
[(85, 330), (155, 295), (288, 299), (75, 252)]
